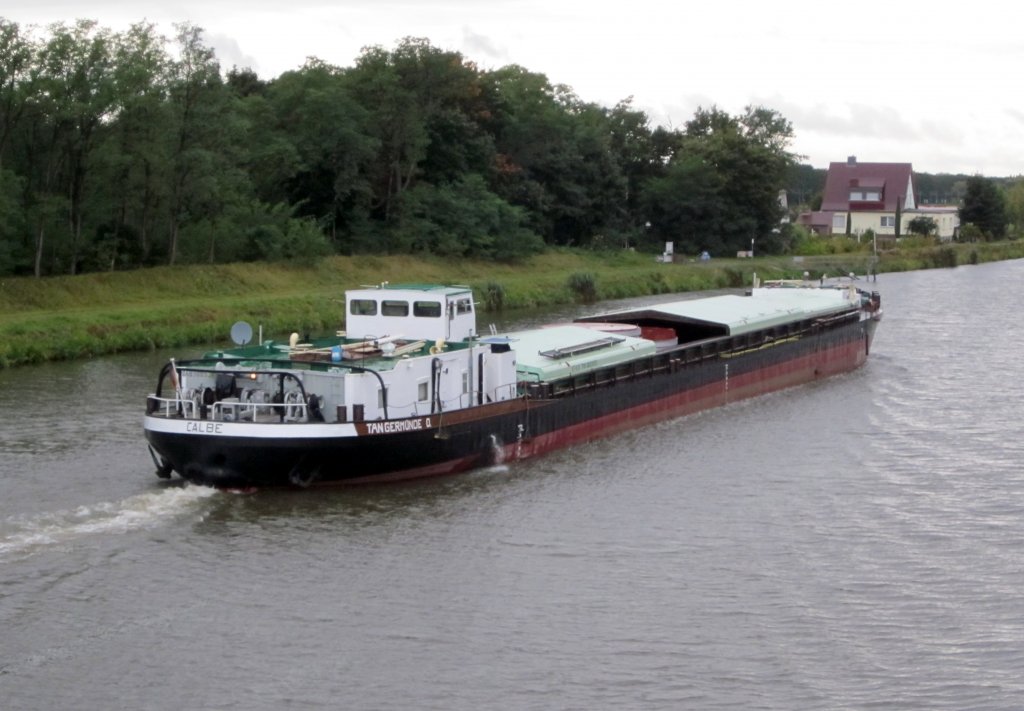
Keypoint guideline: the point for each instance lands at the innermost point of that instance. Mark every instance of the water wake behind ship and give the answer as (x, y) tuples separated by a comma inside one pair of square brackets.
[(24, 535)]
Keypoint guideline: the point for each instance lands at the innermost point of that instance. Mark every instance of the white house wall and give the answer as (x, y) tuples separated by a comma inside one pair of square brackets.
[(947, 223)]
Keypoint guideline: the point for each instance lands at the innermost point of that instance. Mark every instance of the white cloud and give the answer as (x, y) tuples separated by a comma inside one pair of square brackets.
[(229, 52), (924, 81), (482, 49)]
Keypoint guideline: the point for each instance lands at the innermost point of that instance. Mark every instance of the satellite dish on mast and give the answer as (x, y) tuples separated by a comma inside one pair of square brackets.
[(241, 333)]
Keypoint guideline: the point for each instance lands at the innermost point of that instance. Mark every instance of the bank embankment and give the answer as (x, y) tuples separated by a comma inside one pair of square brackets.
[(94, 314)]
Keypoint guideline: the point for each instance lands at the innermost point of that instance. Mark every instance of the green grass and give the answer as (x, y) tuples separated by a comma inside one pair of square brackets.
[(81, 316)]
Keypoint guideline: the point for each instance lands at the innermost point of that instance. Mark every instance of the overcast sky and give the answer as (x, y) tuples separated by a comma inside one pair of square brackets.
[(929, 83)]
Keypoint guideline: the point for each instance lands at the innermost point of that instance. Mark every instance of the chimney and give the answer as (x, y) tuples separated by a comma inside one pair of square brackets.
[(851, 160)]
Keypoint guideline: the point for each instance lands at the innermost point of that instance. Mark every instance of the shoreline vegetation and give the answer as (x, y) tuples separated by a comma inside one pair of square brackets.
[(72, 317)]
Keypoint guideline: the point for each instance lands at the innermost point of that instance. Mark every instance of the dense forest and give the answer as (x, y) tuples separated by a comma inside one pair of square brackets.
[(127, 149)]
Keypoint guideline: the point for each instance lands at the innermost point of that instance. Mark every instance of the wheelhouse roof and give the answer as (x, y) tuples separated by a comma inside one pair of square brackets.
[(436, 289)]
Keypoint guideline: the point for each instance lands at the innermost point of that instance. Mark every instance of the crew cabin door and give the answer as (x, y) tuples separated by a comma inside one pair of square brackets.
[(461, 318)]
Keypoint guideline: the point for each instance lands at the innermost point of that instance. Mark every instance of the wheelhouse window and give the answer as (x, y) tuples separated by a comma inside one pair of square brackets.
[(394, 308), (426, 309), (464, 306), (363, 307)]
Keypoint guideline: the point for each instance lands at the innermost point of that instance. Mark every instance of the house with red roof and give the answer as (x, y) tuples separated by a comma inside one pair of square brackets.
[(873, 196)]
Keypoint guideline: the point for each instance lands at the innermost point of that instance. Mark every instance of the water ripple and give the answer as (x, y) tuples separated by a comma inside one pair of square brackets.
[(21, 536)]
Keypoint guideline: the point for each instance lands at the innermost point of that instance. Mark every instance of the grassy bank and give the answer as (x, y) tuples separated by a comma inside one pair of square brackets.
[(76, 317)]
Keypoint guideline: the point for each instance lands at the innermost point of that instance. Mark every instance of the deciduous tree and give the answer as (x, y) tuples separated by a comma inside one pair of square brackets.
[(314, 150), (730, 170), (1015, 206), (134, 160)]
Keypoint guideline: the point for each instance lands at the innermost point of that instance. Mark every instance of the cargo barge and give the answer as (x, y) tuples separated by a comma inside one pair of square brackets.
[(411, 389)]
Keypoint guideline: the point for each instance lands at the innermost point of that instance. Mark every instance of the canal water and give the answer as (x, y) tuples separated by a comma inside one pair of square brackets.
[(855, 543)]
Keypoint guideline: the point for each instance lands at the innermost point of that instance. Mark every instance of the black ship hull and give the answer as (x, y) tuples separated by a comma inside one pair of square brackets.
[(547, 416)]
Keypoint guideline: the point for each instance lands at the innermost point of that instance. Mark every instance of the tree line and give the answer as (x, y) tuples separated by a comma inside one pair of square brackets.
[(127, 149)]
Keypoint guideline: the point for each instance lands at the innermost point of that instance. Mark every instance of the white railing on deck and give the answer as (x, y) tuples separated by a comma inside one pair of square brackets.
[(233, 410)]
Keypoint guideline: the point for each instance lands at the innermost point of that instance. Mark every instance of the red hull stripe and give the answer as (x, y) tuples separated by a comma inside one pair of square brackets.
[(798, 371), (452, 466)]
